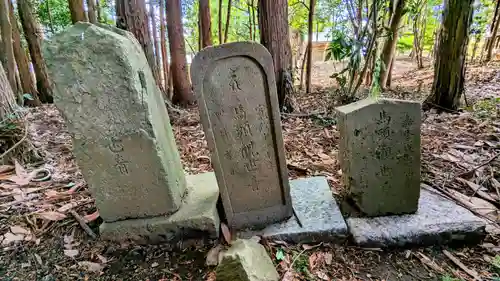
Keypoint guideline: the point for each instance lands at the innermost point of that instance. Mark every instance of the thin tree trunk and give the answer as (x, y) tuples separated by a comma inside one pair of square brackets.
[(98, 10), (156, 43), (220, 22), (163, 39), (317, 31), (7, 55), (449, 67), (309, 44), (250, 23), (389, 77), (493, 33), (91, 11), (254, 21), (27, 83), (274, 29), (131, 15), (49, 14), (474, 48), (181, 84), (32, 35), (76, 10), (228, 20), (303, 66), (390, 42), (205, 24)]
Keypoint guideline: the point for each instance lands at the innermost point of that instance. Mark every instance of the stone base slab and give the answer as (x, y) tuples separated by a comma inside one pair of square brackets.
[(317, 211), (437, 221), (197, 218)]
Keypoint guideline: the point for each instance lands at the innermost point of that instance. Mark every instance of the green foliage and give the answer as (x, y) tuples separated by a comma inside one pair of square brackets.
[(405, 42), (59, 13), (339, 48), (487, 108), (280, 255), (449, 278), (375, 88), (495, 264)]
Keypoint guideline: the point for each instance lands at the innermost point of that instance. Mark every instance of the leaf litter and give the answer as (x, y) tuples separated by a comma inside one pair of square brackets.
[(459, 154)]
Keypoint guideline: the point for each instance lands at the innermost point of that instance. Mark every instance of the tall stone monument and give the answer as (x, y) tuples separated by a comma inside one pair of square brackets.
[(122, 138), (236, 91), (380, 154)]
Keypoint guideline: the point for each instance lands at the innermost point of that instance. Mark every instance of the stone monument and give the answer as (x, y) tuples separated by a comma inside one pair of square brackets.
[(236, 91), (122, 138), (380, 154)]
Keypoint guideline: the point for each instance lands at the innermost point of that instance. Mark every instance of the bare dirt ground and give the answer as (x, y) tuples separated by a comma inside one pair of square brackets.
[(41, 240)]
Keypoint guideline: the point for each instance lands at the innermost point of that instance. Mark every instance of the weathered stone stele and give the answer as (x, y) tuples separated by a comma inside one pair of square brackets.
[(380, 154), (236, 92), (122, 137)]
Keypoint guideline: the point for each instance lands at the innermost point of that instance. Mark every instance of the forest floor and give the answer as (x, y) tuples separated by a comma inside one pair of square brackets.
[(41, 240)]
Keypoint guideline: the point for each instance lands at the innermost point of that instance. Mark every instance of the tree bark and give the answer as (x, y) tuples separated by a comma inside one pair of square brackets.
[(49, 15), (494, 32), (220, 22), (250, 23), (181, 84), (253, 21), (131, 15), (449, 66), (91, 11), (27, 83), (98, 10), (156, 43), (390, 43), (309, 46), (228, 20), (163, 43), (7, 55), (273, 26), (33, 38), (76, 10), (205, 24), (7, 98)]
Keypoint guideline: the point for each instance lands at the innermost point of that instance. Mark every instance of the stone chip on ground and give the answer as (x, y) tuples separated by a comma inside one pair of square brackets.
[(246, 260), (437, 221)]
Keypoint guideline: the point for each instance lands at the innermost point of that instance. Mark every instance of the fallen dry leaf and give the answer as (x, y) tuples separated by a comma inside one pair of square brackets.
[(9, 238), (322, 275), (19, 230), (226, 233), (71, 253), (92, 217), (6, 169), (52, 216), (213, 256), (91, 266), (289, 276), (67, 207)]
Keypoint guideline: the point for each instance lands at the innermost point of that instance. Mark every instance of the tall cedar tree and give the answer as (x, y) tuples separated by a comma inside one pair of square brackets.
[(494, 24), (309, 45), (76, 10), (205, 25), (220, 21), (91, 7), (7, 98), (131, 16), (181, 84), (7, 55), (32, 34), (449, 66), (273, 23), (155, 42), (27, 83), (389, 47), (163, 43)]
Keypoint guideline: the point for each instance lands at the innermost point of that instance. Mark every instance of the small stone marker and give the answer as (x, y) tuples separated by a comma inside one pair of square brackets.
[(246, 260), (380, 154), (122, 138), (236, 91)]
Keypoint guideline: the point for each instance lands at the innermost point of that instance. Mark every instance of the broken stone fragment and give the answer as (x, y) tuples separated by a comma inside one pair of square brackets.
[(246, 260)]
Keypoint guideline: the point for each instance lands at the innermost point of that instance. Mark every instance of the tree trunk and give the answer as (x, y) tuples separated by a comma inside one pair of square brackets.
[(228, 20), (7, 97), (250, 23), (156, 43), (206, 27), (254, 21), (131, 15), (27, 83), (474, 48), (309, 46), (390, 43), (91, 11), (32, 35), (449, 67), (163, 39), (273, 23), (76, 10), (49, 15), (494, 32), (220, 22), (7, 56), (181, 84), (98, 10)]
